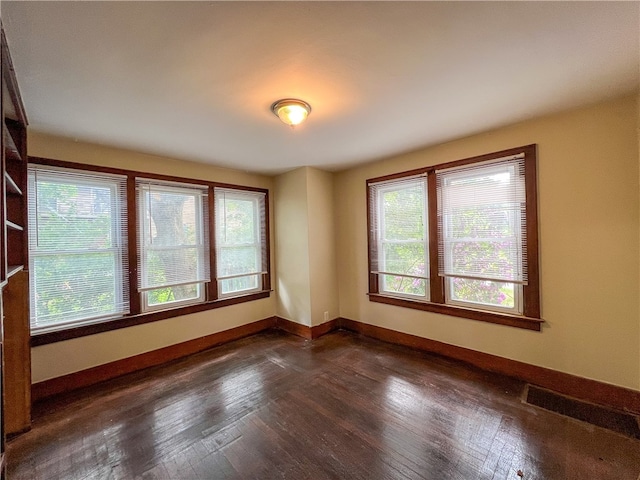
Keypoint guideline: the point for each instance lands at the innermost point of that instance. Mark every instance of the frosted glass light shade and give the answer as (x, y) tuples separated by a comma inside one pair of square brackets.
[(291, 111)]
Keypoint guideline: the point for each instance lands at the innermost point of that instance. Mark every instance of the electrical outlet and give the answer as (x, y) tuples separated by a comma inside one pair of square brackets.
[(326, 316)]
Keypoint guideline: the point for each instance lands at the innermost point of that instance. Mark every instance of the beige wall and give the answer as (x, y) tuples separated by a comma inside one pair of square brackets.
[(322, 257), (49, 361), (588, 172), (589, 200), (307, 282), (59, 148), (292, 247)]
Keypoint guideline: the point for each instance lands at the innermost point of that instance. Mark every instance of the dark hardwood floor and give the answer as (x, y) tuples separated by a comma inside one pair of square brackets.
[(343, 406)]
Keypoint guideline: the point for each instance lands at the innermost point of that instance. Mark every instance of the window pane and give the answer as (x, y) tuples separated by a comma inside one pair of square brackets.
[(483, 219), (173, 294), (237, 260), (238, 224), (487, 221), (405, 258), (484, 292), (71, 216), (240, 233), (239, 284), (77, 238), (171, 218), (171, 266), (173, 243), (484, 258), (404, 285), (403, 212), (73, 287), (400, 221)]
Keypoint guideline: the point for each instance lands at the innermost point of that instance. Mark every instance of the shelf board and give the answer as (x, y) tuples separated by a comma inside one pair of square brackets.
[(10, 150), (13, 226), (12, 186), (13, 269)]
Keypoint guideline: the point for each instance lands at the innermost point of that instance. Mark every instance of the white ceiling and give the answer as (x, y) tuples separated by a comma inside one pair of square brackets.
[(195, 80)]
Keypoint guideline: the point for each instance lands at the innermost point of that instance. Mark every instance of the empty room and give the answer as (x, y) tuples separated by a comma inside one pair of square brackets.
[(320, 240)]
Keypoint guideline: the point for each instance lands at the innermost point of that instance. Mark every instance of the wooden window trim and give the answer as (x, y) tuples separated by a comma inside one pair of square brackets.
[(519, 321), (136, 315), (139, 319), (435, 280), (530, 319)]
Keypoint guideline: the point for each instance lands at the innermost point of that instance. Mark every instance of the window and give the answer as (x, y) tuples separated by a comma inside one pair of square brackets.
[(77, 247), (173, 244), (112, 248), (459, 238), (482, 234), (240, 241), (402, 257)]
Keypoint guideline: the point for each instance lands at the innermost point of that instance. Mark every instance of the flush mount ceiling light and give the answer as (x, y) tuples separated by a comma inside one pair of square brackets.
[(291, 111)]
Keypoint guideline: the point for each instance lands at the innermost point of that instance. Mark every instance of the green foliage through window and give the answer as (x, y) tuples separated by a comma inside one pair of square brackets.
[(76, 251)]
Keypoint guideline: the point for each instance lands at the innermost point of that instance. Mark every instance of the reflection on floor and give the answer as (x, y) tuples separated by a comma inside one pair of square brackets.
[(343, 406)]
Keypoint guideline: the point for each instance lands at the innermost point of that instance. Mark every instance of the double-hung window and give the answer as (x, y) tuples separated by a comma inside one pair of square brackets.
[(110, 248), (401, 253), (482, 234), (241, 260), (173, 243), (459, 238), (77, 247)]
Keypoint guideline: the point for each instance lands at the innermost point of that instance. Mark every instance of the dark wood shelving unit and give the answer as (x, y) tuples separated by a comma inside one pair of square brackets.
[(13, 269), (15, 352), (13, 226), (11, 152), (11, 185)]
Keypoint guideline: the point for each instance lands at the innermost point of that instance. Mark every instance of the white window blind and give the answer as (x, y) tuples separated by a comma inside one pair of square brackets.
[(400, 254), (173, 244), (77, 247), (241, 241), (482, 221)]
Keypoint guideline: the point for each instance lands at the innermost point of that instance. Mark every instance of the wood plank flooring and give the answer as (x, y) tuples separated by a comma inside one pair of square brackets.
[(342, 407)]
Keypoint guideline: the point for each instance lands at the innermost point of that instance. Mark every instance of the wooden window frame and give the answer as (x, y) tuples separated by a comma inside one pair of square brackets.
[(262, 241), (116, 248), (202, 231), (137, 316), (530, 318)]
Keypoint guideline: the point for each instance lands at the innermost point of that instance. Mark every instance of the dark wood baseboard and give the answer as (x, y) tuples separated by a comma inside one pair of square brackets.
[(624, 423), (600, 393), (324, 328), (115, 369), (139, 319), (293, 328), (304, 331)]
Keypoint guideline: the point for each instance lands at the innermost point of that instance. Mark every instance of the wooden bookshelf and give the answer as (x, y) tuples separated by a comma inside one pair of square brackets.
[(15, 373), (11, 151), (12, 187)]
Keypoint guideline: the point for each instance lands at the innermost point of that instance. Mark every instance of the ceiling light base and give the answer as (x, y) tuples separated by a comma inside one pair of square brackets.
[(291, 111)]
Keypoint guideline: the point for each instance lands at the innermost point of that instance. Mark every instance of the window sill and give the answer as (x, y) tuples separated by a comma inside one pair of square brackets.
[(139, 319), (517, 321)]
